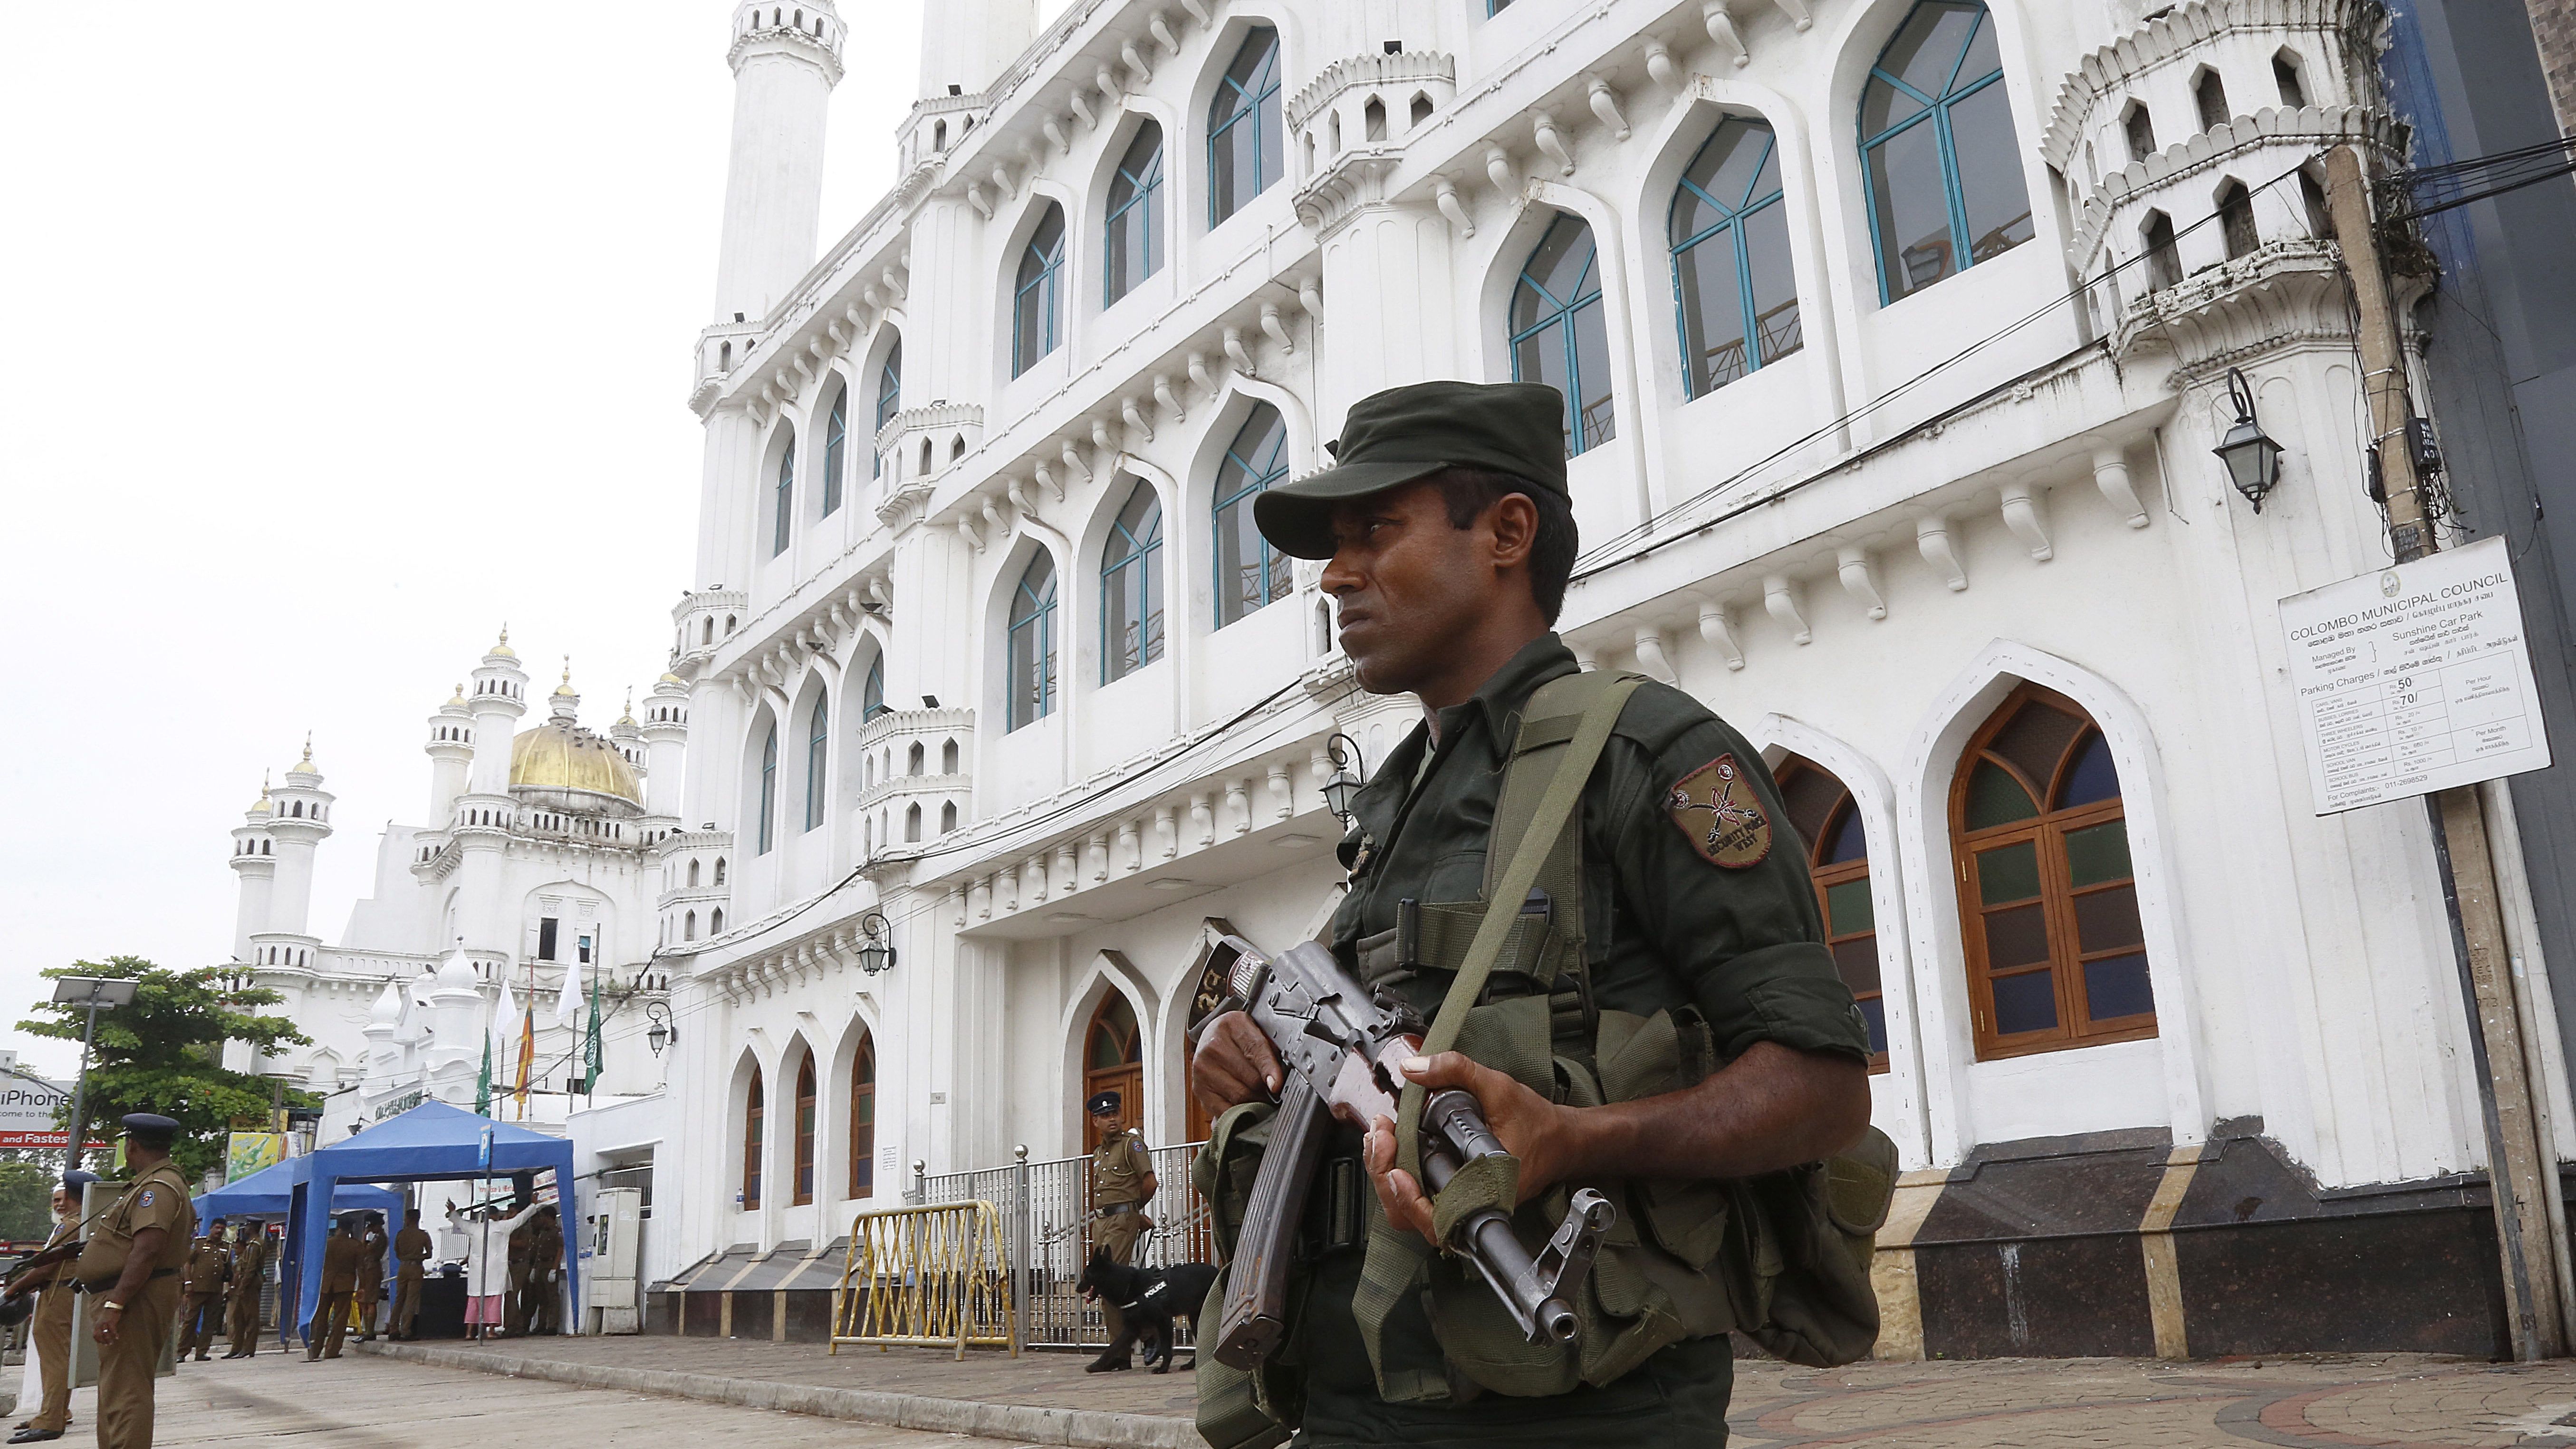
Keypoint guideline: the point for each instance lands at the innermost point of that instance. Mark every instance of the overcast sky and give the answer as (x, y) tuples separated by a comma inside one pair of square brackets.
[(336, 336)]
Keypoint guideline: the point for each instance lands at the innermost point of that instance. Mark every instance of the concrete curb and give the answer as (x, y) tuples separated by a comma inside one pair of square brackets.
[(1022, 1423)]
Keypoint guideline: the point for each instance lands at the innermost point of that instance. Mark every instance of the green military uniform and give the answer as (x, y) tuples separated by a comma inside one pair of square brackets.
[(201, 1294), (250, 1266), (158, 1199), (412, 1248), (1693, 897)]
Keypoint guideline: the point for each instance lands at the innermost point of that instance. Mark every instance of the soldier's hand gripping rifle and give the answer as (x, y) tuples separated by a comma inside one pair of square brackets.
[(1338, 1046)]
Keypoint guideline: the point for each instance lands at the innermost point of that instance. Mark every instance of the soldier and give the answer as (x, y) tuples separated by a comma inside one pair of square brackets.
[(201, 1291), (250, 1266), (1447, 528), (371, 1275), (412, 1248), (514, 1302), (1122, 1182), (50, 1331), (131, 1270), (341, 1254), (541, 1299)]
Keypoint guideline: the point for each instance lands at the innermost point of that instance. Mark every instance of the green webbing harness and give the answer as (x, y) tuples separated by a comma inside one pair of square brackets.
[(1572, 718)]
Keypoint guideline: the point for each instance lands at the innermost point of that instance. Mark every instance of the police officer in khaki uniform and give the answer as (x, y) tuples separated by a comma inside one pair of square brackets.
[(1122, 1182), (201, 1291), (412, 1248), (371, 1275), (1448, 530), (250, 1268), (50, 1331), (341, 1255), (541, 1292), (130, 1269)]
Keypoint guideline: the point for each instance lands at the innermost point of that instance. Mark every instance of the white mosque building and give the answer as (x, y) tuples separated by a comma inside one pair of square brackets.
[(538, 867), (1896, 335)]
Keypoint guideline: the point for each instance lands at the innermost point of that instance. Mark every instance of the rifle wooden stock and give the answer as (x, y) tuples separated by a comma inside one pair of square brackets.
[(1256, 1281)]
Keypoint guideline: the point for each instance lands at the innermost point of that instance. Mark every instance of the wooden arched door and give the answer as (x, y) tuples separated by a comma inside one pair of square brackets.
[(1113, 1060)]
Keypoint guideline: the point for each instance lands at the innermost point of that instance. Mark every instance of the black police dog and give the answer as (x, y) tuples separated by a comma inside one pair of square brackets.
[(1150, 1298)]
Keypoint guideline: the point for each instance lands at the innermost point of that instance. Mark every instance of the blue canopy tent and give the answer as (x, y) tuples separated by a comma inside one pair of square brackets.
[(432, 1142), (267, 1193)]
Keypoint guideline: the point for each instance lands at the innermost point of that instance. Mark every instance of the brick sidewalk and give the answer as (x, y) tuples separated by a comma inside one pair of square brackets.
[(2401, 1401)]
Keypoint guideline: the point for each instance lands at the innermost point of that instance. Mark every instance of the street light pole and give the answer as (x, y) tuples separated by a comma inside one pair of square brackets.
[(92, 992)]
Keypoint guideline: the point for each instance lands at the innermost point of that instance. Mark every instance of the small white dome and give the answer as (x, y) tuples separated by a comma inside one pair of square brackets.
[(389, 1005), (456, 973)]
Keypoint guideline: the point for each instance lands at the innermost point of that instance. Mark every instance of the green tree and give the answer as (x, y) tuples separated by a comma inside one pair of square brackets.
[(164, 1053), (26, 1201)]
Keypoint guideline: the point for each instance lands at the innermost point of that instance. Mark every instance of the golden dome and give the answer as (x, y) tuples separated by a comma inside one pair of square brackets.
[(673, 679), (557, 755), (503, 648), (564, 690)]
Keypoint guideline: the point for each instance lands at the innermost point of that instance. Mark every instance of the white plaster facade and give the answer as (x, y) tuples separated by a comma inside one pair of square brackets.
[(542, 863), (1854, 552)]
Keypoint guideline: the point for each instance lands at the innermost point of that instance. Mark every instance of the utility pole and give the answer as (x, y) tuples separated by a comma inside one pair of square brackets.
[(2520, 1155), (91, 992)]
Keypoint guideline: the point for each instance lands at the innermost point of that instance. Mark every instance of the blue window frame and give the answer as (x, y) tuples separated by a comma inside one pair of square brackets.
[(1247, 142), (1037, 306), (889, 400), (1131, 587), (872, 691), (785, 492), (836, 447), (818, 739), (1940, 162), (1134, 231), (768, 788), (1733, 289), (1249, 572), (1031, 684), (1560, 335)]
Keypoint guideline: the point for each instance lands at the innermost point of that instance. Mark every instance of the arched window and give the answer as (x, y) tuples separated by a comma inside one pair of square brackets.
[(1829, 826), (693, 875), (784, 494), (1941, 162), (2048, 901), (912, 759), (720, 870), (818, 738), (912, 822), (836, 447), (1037, 309), (751, 1125), (948, 758), (872, 691), (1030, 682), (947, 817), (768, 786), (1131, 586), (1731, 275), (1249, 572), (715, 921), (889, 401), (2209, 97), (1245, 135), (689, 932), (804, 1131), (1559, 335), (2236, 220), (863, 1117), (1134, 249), (2164, 260), (1113, 1060)]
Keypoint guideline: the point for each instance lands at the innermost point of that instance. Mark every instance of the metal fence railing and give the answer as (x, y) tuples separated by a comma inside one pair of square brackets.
[(1045, 1212), (938, 1274)]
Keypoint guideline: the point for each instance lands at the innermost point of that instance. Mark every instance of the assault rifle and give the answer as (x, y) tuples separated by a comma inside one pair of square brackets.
[(1339, 1044)]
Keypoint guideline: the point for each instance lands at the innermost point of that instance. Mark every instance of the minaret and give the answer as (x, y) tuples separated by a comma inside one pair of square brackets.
[(564, 706), (384, 1025), (786, 58), (255, 864), (499, 696), (666, 745), (451, 752), (454, 1052), (628, 736), (299, 820), (966, 43)]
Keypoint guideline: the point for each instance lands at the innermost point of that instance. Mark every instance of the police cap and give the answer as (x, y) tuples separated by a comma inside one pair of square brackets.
[(1104, 1104), (149, 1129)]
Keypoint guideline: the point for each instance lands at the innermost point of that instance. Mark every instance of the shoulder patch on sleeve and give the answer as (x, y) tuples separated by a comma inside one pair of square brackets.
[(1717, 808)]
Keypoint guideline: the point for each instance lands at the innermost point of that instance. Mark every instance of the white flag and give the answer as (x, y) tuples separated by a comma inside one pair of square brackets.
[(568, 1001), (505, 1037)]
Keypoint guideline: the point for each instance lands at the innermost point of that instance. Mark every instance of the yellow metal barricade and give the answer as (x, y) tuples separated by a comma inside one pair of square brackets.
[(927, 1275)]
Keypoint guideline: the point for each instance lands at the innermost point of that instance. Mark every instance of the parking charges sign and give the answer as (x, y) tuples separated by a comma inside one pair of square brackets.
[(2414, 679)]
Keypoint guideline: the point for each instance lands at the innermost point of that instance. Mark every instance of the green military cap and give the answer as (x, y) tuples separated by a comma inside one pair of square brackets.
[(1405, 433)]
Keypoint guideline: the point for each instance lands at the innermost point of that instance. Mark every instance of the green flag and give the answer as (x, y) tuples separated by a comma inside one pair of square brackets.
[(483, 1083), (590, 1044)]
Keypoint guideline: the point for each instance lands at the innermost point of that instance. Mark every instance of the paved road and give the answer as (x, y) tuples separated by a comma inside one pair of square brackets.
[(376, 1403)]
